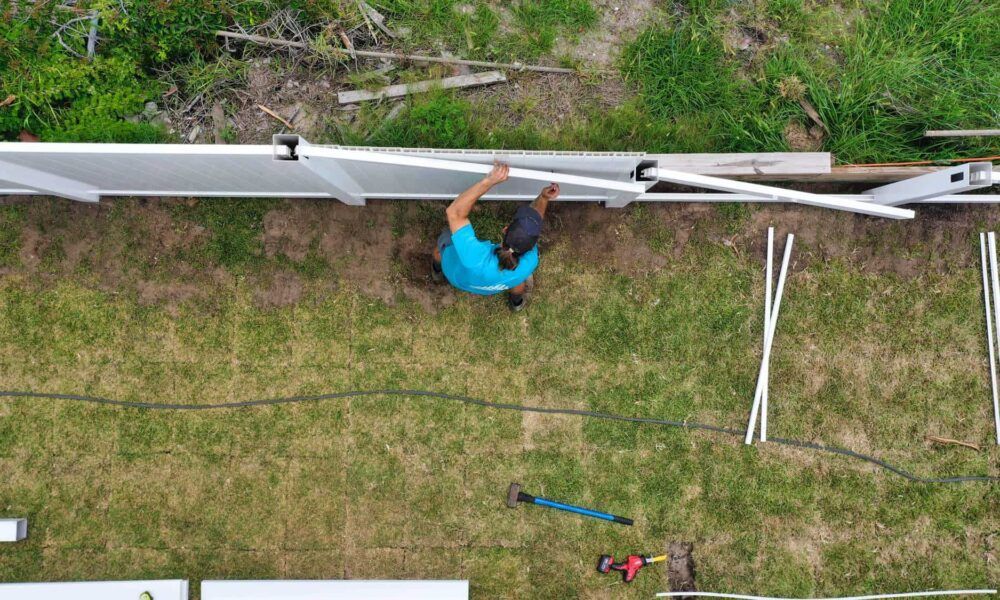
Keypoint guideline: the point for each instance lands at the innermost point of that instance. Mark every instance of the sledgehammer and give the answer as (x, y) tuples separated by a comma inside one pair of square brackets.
[(515, 495)]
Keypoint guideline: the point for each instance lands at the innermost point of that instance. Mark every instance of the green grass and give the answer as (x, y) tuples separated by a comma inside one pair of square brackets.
[(236, 227), (520, 30), (390, 488), (11, 219), (900, 68), (164, 303), (878, 73)]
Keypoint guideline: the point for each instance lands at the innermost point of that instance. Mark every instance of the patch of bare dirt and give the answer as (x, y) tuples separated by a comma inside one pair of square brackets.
[(621, 21), (59, 237), (384, 250), (801, 139), (548, 98), (601, 236), (938, 239), (413, 254), (32, 244), (360, 244), (750, 35), (284, 289), (170, 294), (681, 568)]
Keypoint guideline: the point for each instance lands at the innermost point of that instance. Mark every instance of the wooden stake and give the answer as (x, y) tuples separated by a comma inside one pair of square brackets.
[(275, 115), (941, 440)]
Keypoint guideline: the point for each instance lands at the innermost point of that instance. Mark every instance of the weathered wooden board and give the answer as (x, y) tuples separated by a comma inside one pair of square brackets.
[(396, 91), (770, 164)]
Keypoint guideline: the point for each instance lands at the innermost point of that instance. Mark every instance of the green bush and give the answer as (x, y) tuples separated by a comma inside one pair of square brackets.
[(64, 97)]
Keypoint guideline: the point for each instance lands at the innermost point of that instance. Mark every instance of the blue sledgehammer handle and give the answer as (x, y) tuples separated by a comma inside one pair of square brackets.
[(583, 511), (515, 495)]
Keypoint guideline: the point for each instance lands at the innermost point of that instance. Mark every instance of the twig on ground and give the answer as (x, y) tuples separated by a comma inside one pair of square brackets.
[(8, 101), (60, 28), (941, 440), (275, 115), (347, 43), (813, 113)]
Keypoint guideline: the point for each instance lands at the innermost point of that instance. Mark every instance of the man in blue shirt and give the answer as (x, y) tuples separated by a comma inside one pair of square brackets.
[(485, 268)]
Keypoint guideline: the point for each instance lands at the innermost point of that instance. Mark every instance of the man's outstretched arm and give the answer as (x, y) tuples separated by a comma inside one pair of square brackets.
[(458, 211), (549, 192)]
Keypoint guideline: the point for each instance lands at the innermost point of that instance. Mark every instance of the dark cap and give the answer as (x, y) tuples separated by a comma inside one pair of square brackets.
[(524, 230)]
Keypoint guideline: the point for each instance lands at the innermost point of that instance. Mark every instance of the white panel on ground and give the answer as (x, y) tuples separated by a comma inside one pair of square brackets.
[(13, 530), (164, 589), (335, 590)]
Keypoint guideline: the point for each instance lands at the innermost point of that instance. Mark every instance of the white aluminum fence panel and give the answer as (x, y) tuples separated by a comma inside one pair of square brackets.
[(389, 174), (165, 589), (335, 590), (252, 171), (169, 169)]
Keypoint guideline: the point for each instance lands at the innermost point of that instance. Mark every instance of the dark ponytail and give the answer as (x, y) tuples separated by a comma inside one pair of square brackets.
[(507, 258)]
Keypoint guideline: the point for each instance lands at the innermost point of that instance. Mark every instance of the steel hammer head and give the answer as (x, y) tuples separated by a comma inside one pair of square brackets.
[(512, 494)]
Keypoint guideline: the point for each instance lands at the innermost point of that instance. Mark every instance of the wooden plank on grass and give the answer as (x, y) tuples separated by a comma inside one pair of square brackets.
[(856, 174), (961, 132), (396, 91), (770, 164)]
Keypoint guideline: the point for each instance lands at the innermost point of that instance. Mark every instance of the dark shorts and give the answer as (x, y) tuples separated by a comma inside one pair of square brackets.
[(444, 240)]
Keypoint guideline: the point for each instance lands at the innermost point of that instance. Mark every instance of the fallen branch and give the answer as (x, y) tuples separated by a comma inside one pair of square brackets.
[(392, 56), (64, 26), (941, 440), (395, 91), (275, 115), (813, 113)]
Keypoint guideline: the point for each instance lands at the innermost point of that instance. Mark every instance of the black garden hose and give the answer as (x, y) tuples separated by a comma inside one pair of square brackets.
[(504, 406)]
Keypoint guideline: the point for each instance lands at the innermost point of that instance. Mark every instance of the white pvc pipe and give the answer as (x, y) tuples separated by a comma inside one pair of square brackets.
[(459, 166), (767, 320), (872, 597), (996, 319), (989, 333), (764, 191), (734, 197), (769, 338)]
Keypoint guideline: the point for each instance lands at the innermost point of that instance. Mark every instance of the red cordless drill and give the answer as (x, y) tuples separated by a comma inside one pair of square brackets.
[(629, 568)]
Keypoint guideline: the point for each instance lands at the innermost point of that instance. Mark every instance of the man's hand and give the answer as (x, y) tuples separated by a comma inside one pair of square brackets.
[(499, 174), (549, 192)]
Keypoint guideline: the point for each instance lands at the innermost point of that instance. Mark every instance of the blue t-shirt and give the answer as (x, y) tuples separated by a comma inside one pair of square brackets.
[(471, 264)]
